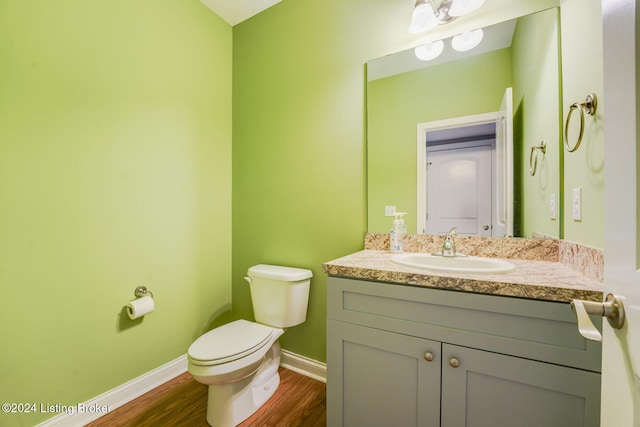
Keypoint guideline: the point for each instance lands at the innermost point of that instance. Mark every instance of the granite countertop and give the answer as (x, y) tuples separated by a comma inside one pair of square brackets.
[(541, 280)]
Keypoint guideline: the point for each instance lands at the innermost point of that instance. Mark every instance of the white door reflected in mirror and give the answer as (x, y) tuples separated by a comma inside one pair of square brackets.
[(453, 202), (459, 188)]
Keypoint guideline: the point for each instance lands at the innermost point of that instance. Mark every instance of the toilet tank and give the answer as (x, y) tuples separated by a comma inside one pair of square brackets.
[(280, 295)]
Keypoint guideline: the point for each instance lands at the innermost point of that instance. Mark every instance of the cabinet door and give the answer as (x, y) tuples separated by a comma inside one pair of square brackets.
[(379, 378), (489, 389)]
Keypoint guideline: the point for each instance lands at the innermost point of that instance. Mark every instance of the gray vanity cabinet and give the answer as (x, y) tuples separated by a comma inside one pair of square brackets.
[(489, 389), (385, 380), (410, 356)]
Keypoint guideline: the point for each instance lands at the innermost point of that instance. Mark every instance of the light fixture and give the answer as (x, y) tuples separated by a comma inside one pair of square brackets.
[(462, 7), (467, 41), (428, 14), (429, 51), (423, 18)]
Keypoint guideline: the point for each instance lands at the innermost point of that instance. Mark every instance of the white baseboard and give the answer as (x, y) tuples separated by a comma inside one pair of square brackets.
[(303, 365), (84, 413)]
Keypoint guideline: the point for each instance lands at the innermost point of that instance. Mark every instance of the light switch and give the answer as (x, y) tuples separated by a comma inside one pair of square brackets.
[(552, 206), (389, 210), (577, 204)]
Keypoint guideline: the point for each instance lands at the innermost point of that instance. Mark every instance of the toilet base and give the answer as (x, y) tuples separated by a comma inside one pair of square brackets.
[(231, 403)]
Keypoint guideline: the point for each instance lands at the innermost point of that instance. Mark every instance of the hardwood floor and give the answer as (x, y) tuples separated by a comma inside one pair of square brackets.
[(299, 401)]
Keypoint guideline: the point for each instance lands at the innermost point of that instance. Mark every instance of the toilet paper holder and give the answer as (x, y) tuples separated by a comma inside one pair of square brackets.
[(142, 291)]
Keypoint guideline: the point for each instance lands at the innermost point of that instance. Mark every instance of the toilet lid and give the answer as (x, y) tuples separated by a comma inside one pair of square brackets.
[(229, 342)]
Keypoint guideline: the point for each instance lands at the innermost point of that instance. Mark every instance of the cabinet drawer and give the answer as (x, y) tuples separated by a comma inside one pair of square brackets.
[(539, 330)]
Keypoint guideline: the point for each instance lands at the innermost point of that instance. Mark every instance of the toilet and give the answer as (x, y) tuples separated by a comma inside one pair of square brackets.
[(239, 361)]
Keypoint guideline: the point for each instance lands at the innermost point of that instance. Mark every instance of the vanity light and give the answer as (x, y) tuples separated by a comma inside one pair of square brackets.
[(423, 18), (467, 41), (429, 51), (462, 7), (429, 13)]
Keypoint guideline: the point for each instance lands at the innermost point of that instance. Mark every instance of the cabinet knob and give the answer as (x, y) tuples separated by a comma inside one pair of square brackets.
[(428, 356), (454, 362)]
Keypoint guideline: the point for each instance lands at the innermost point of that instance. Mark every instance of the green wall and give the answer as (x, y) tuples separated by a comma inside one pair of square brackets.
[(536, 104), (115, 171), (299, 146), (397, 104), (582, 74)]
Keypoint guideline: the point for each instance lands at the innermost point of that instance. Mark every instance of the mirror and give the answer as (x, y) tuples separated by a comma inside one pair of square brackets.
[(407, 97)]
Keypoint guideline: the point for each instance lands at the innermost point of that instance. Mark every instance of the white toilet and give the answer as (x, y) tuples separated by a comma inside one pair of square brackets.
[(239, 361)]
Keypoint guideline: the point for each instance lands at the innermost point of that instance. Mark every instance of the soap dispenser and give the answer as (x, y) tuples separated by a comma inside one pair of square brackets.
[(396, 235)]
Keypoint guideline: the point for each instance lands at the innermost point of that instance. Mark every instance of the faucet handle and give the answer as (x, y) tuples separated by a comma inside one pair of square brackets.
[(453, 232)]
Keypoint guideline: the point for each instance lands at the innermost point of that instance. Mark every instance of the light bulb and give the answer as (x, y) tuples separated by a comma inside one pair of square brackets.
[(467, 41), (422, 19), (429, 51), (462, 7)]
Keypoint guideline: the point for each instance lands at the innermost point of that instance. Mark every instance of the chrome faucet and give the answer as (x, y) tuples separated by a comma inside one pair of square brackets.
[(449, 245)]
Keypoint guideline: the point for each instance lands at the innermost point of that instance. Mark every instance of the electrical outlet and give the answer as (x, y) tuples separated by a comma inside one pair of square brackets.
[(389, 210), (576, 204), (552, 206)]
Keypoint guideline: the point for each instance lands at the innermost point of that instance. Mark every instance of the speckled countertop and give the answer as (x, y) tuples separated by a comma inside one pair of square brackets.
[(534, 279)]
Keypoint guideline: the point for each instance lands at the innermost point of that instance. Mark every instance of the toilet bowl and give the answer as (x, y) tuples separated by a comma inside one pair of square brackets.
[(239, 361), (228, 359), (231, 352)]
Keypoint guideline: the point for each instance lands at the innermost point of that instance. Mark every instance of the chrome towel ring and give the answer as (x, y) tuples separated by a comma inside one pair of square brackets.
[(533, 160), (589, 105)]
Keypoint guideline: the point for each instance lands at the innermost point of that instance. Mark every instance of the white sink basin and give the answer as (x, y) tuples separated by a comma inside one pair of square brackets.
[(465, 265)]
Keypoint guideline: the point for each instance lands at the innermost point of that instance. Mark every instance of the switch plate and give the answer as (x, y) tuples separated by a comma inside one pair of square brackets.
[(389, 210), (552, 206), (576, 204)]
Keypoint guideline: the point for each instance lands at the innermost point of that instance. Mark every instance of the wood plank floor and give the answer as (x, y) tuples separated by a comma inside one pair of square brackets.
[(299, 401)]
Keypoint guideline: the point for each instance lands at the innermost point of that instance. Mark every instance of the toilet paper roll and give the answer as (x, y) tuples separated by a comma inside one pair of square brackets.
[(139, 307)]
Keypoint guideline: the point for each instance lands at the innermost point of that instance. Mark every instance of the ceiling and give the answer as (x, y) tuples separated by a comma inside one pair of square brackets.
[(236, 11)]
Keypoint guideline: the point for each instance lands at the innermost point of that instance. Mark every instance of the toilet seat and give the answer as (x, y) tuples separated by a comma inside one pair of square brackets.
[(230, 342)]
